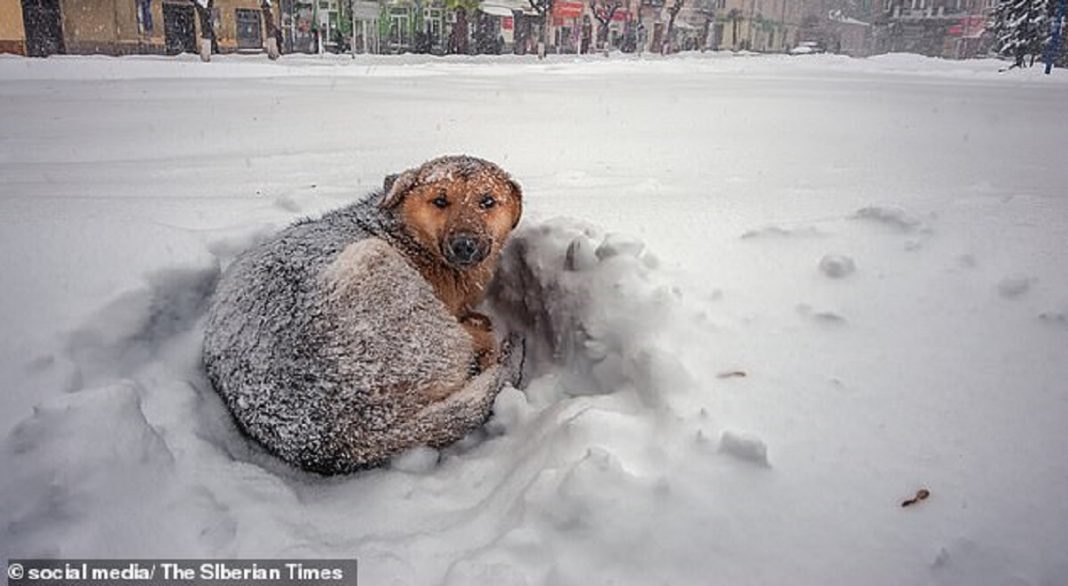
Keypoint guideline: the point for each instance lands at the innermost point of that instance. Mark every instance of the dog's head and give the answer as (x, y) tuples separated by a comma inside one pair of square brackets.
[(458, 208)]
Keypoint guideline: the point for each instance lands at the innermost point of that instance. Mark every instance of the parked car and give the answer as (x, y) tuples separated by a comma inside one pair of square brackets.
[(807, 48)]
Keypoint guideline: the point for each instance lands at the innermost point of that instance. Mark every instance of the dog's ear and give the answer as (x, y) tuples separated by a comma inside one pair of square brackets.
[(394, 188), (517, 193)]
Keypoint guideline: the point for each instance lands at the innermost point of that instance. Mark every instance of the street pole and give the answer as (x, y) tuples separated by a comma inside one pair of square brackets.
[(1055, 43), (292, 26)]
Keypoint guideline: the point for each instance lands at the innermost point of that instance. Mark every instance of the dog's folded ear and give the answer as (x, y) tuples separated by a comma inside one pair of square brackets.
[(395, 186), (389, 181), (517, 192)]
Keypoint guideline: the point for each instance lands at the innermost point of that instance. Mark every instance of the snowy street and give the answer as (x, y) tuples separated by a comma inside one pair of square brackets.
[(821, 284)]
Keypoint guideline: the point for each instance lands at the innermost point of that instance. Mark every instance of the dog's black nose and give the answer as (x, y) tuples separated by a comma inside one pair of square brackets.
[(464, 250)]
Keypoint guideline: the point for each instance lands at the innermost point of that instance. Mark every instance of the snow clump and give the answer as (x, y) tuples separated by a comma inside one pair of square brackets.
[(837, 266)]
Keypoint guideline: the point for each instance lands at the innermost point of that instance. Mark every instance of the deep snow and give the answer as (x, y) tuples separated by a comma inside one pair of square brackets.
[(794, 292)]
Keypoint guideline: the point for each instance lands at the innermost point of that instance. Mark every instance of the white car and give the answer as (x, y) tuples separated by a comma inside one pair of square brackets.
[(807, 48)]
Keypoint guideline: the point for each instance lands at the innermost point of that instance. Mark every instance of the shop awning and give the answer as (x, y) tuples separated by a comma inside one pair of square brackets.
[(494, 10), (505, 7)]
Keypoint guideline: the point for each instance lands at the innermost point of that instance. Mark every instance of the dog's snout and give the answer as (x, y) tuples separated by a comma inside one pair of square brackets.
[(465, 250)]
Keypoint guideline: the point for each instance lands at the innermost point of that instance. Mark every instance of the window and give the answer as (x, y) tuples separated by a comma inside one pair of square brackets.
[(249, 29), (144, 16), (399, 27)]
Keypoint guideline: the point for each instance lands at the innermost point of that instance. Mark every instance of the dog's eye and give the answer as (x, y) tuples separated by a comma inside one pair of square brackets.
[(440, 201), (487, 202)]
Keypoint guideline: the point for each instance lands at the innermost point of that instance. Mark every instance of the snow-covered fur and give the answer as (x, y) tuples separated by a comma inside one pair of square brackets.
[(333, 352)]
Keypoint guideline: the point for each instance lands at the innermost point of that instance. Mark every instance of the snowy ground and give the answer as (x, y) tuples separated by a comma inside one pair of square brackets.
[(879, 246)]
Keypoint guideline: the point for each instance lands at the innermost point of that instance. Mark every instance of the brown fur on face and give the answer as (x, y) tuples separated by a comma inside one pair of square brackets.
[(451, 204)]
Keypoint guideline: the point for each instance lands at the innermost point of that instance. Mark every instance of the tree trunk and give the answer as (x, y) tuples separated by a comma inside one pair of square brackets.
[(667, 34), (459, 32), (206, 42), (543, 36), (273, 43), (673, 13)]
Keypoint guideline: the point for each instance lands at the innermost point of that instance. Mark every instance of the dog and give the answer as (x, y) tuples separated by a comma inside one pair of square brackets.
[(343, 341)]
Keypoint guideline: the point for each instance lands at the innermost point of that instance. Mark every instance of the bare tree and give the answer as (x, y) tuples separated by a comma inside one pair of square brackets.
[(604, 11), (708, 10), (206, 44), (673, 12), (735, 17), (273, 42), (543, 8), (458, 42)]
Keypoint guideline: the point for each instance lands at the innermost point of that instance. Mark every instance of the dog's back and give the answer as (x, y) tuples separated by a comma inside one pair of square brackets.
[(333, 352)]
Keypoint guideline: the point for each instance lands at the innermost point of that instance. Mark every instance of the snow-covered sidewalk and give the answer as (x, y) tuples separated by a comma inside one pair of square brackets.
[(785, 294)]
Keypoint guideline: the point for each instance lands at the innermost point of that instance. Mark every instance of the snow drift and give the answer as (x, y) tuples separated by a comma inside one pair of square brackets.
[(147, 443)]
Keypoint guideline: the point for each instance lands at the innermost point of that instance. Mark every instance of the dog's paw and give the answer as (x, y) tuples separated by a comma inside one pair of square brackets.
[(483, 361)]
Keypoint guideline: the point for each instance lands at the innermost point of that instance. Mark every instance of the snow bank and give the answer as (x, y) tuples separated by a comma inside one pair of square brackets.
[(592, 309), (569, 477), (417, 66)]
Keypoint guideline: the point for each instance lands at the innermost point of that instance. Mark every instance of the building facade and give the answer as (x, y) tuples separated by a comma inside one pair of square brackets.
[(119, 27), (12, 30), (757, 25), (937, 28)]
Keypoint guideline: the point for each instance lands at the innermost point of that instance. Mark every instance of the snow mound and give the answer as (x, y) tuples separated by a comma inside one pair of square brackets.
[(598, 448), (893, 217), (837, 266), (745, 446), (776, 231), (590, 306), (65, 464), (126, 333)]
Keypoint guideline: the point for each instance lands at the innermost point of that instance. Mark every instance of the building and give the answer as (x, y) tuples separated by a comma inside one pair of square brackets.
[(937, 28), (757, 25), (12, 31), (119, 27), (396, 26), (848, 36), (504, 13)]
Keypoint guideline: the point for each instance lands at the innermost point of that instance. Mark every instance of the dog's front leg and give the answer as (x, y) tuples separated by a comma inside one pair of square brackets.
[(480, 328)]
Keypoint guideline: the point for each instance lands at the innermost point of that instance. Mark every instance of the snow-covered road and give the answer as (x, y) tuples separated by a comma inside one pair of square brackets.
[(879, 246)]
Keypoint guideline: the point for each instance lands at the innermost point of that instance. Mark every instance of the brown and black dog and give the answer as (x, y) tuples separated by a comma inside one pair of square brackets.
[(458, 211), (345, 340)]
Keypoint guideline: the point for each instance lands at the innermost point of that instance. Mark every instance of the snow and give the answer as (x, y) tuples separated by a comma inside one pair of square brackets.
[(744, 446), (704, 404), (837, 266)]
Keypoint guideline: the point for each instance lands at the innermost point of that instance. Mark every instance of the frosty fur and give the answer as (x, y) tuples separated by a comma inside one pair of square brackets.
[(331, 349)]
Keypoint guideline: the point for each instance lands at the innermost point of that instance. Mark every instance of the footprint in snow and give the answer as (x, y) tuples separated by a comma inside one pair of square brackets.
[(1014, 286), (822, 317), (775, 232), (1054, 318)]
